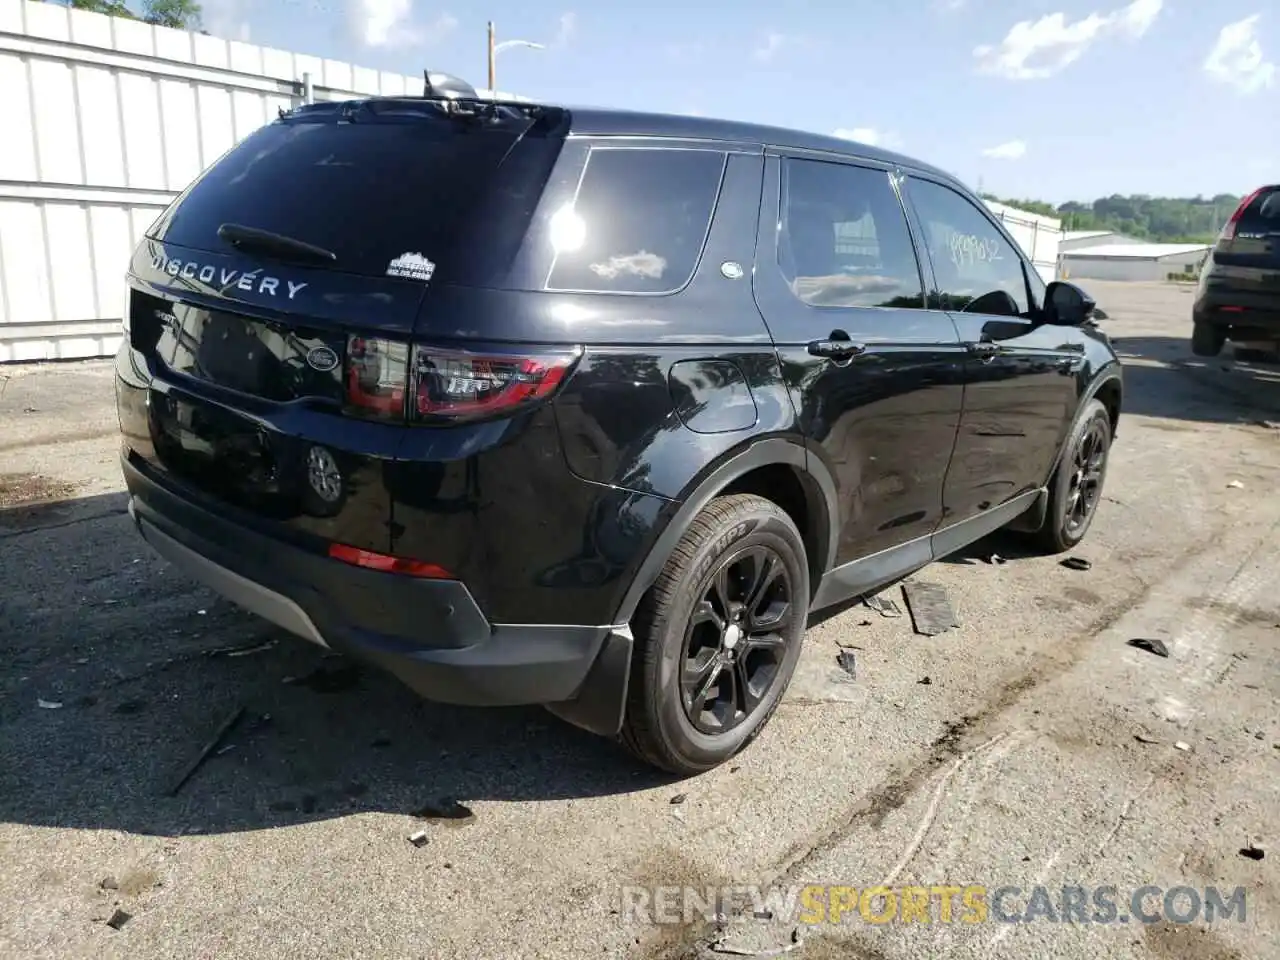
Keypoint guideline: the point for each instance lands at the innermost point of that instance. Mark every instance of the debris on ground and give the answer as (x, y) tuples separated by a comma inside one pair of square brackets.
[(1143, 738), (49, 704), (882, 605), (678, 813), (848, 663), (679, 798), (1235, 485), (1150, 645), (1252, 852), (109, 883), (1076, 563), (208, 750), (996, 559), (931, 612), (721, 947), (242, 649), (1269, 424), (418, 838), (446, 810), (1182, 745), (118, 919), (925, 681), (846, 645)]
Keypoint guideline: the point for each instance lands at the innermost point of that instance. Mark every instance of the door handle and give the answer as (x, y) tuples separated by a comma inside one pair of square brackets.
[(984, 350), (836, 349)]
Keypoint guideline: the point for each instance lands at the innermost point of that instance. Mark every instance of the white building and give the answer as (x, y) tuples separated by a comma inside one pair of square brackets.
[(1075, 239), (1039, 236), (1132, 261)]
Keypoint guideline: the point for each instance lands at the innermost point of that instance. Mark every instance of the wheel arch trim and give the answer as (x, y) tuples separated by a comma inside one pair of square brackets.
[(770, 452), (1108, 374)]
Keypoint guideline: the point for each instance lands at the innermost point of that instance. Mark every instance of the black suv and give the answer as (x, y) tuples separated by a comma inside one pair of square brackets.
[(590, 409), (1239, 294)]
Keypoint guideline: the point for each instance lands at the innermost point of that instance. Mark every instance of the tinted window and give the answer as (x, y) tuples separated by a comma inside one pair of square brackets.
[(639, 221), (976, 267), (844, 240), (374, 190), (1262, 215)]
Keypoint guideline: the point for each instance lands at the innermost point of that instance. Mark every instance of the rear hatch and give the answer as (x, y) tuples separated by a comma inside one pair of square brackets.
[(1246, 259), (273, 303)]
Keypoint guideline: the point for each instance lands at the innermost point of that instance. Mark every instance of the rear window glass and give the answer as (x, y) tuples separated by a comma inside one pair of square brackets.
[(639, 221), (374, 191), (1263, 213)]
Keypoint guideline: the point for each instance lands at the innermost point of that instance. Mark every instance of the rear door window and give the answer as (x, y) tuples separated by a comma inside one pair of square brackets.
[(639, 221), (844, 240), (383, 193)]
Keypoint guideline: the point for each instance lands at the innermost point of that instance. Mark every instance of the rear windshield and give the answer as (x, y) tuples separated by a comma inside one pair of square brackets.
[(377, 192), (1263, 213)]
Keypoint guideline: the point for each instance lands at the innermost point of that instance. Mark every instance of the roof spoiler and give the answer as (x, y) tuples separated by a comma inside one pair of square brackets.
[(437, 86)]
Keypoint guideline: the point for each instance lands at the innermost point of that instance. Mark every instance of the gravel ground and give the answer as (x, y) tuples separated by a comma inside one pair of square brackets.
[(1030, 745)]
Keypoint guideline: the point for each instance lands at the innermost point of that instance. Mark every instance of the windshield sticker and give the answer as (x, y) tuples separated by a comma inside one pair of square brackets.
[(411, 266)]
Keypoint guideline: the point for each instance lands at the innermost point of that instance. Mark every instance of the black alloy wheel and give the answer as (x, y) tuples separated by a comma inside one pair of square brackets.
[(1089, 467), (736, 642)]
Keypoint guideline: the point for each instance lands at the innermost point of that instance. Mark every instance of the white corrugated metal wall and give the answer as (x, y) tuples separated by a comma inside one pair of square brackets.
[(107, 120)]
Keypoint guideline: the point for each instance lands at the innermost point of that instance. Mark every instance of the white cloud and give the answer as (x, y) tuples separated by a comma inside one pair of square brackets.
[(567, 28), (391, 23), (1237, 60), (1013, 150), (870, 136), (1035, 49)]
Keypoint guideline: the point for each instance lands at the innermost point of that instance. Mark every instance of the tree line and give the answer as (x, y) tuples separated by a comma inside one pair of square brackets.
[(179, 14), (1158, 219)]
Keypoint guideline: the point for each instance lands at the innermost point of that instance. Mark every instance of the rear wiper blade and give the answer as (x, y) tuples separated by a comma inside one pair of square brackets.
[(264, 241)]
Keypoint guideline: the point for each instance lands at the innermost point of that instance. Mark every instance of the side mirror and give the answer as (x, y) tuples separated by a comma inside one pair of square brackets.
[(1066, 305)]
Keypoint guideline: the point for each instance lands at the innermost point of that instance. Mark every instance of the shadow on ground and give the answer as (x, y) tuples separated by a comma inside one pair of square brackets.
[(129, 648), (1164, 379)]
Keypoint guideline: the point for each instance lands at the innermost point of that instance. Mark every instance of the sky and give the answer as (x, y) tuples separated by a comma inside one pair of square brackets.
[(1047, 99)]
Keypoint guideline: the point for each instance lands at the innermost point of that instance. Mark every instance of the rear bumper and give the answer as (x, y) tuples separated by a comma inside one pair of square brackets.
[(430, 634), (1233, 310)]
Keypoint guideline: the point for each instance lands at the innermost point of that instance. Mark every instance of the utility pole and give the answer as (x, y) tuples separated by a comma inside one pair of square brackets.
[(493, 62)]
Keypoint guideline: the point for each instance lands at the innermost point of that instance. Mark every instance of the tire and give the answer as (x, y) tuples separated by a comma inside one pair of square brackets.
[(1206, 340), (1063, 529), (732, 536)]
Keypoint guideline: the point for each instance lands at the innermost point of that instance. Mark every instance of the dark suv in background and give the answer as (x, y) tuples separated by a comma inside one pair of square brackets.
[(590, 409), (1239, 294)]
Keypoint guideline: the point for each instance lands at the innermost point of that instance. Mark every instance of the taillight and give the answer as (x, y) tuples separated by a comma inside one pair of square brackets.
[(453, 385), (1229, 231), (377, 377)]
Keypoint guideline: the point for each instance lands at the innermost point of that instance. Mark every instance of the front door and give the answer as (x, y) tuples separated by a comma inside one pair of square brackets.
[(1021, 378), (875, 378)]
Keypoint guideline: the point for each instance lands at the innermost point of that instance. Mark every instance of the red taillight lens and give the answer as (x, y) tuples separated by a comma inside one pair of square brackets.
[(377, 375), (451, 385), (387, 563)]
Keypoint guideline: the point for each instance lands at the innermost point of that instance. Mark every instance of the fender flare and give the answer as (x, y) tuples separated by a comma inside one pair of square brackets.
[(1108, 374), (774, 451)]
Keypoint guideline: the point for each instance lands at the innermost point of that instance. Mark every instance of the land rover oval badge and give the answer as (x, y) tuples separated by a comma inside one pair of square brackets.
[(322, 358)]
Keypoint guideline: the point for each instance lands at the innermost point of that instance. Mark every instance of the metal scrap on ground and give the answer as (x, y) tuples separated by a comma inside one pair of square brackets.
[(848, 663), (930, 609), (1151, 645), (207, 752), (882, 605)]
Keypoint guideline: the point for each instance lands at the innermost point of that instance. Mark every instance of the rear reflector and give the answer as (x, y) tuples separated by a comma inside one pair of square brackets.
[(388, 564)]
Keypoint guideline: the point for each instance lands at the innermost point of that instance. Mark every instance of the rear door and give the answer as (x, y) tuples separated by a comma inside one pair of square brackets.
[(272, 304), (1020, 376), (875, 378)]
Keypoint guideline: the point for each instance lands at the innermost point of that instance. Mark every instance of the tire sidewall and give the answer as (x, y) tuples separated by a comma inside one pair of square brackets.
[(756, 528), (1093, 410)]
